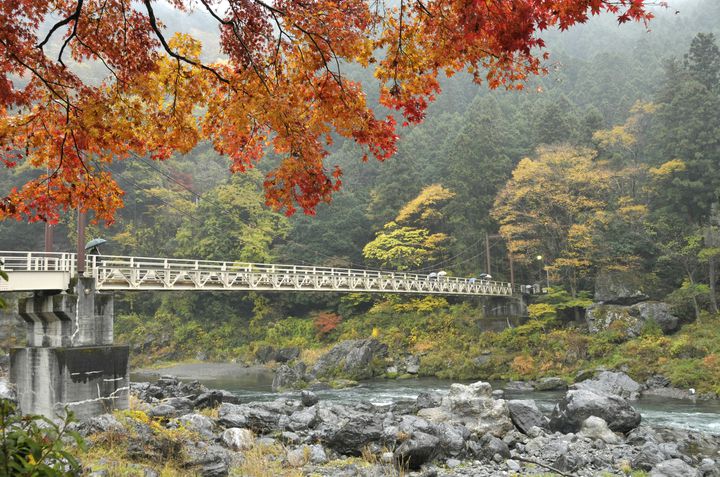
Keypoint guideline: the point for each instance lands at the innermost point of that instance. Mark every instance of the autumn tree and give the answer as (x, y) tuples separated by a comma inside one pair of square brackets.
[(279, 84), (415, 238), (548, 206)]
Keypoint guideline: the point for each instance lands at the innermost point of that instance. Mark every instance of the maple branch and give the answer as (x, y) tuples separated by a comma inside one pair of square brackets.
[(236, 33), (102, 60), (75, 16), (177, 56), (73, 33)]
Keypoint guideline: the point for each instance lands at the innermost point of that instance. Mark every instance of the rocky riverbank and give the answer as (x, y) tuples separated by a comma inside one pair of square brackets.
[(470, 431)]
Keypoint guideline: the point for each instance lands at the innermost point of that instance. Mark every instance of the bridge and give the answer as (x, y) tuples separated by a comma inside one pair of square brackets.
[(71, 360), (36, 271)]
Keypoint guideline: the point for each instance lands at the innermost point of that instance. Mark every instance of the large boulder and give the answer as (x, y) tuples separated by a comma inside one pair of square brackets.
[(657, 311), (525, 414), (417, 450), (579, 404), (618, 287), (673, 468), (351, 359), (596, 428), (348, 432), (287, 377), (611, 382), (474, 406), (630, 319), (207, 461)]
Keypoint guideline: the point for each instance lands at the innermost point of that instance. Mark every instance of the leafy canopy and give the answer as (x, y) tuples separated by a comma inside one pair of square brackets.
[(278, 86)]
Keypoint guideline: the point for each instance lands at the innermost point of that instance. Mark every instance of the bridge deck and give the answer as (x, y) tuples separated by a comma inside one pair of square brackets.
[(144, 273)]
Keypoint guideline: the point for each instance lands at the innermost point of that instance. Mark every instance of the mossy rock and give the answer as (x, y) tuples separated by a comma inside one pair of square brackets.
[(342, 383)]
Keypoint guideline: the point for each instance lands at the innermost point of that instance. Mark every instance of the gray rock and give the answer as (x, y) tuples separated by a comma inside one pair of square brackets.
[(428, 399), (214, 398), (287, 377), (657, 381), (162, 410), (611, 382), (303, 419), (709, 468), (491, 446), (209, 461), (596, 428), (352, 358), (518, 386), (659, 312), (412, 364), (349, 433), (264, 354), (417, 450), (569, 462), (285, 355), (298, 457), (308, 398), (318, 455), (669, 392), (550, 384), (673, 468), (578, 405), (203, 425), (238, 439), (525, 414), (513, 465), (101, 423), (619, 287), (642, 434), (474, 406)]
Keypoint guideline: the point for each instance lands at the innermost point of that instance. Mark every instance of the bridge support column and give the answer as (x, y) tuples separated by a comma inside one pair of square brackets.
[(70, 360)]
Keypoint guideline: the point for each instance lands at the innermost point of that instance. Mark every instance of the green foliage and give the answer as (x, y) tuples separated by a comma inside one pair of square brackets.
[(34, 446)]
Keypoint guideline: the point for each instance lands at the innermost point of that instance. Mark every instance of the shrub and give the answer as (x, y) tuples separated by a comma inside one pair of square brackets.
[(34, 445)]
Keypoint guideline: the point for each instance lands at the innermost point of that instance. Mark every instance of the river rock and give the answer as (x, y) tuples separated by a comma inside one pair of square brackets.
[(212, 399), (285, 355), (303, 419), (208, 461), (491, 446), (518, 386), (709, 468), (596, 428), (428, 399), (417, 450), (611, 382), (474, 406), (351, 358), (308, 398), (412, 364), (550, 384), (238, 439), (203, 425), (619, 287), (525, 414), (348, 431), (287, 377), (579, 404), (674, 468), (298, 457)]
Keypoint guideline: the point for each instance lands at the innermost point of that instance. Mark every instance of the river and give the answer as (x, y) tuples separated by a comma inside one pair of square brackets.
[(254, 384)]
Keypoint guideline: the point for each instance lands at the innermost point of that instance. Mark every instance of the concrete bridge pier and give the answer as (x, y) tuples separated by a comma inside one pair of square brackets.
[(70, 360)]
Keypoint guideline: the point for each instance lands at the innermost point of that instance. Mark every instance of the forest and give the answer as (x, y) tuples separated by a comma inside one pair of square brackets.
[(610, 162)]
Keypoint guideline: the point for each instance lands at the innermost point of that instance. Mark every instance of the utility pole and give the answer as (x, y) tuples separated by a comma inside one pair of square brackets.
[(48, 238), (487, 254)]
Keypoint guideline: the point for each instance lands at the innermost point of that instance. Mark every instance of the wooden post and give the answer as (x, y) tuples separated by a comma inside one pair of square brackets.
[(82, 216)]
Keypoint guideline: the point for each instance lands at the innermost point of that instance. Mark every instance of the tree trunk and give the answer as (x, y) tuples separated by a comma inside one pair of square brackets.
[(712, 279)]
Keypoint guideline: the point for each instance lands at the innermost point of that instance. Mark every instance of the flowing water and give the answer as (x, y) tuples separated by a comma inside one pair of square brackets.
[(254, 384)]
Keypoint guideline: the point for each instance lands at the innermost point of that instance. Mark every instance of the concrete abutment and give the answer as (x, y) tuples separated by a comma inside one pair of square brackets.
[(70, 361)]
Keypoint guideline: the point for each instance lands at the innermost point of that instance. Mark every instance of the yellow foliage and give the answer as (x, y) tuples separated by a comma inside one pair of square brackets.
[(541, 310), (523, 364), (668, 168), (424, 206)]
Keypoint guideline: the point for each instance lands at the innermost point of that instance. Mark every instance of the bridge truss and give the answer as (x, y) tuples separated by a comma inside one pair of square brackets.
[(53, 271)]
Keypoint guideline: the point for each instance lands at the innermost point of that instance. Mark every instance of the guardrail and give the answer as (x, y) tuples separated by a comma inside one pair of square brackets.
[(149, 273)]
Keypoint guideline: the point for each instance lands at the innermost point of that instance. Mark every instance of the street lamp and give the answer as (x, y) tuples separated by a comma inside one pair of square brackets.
[(547, 272)]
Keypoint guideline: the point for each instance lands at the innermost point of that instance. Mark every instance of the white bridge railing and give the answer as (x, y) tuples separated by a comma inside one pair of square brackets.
[(144, 273)]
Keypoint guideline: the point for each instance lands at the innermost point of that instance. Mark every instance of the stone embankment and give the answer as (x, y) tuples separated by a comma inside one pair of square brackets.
[(470, 431)]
